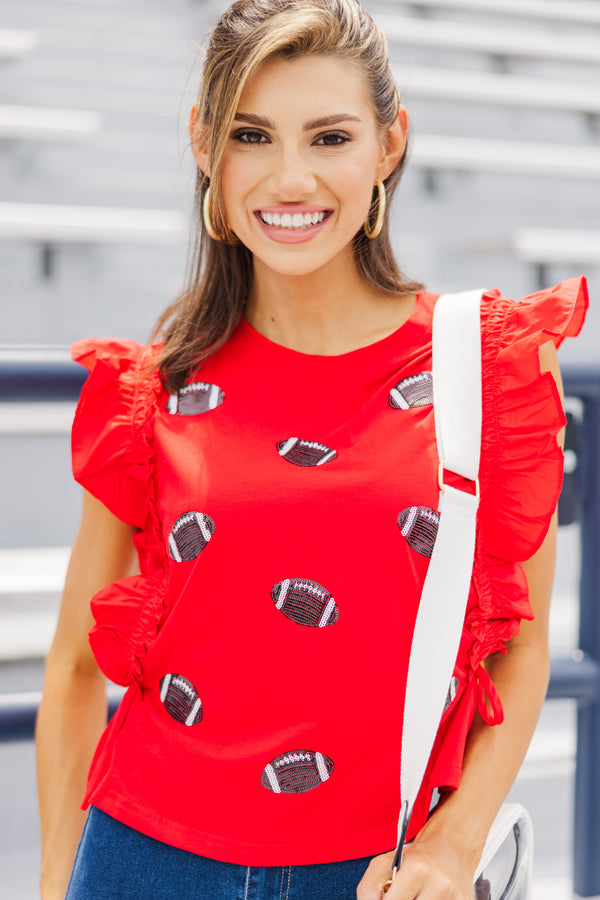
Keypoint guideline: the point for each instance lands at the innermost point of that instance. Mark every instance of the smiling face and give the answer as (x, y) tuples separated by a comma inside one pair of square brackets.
[(301, 160)]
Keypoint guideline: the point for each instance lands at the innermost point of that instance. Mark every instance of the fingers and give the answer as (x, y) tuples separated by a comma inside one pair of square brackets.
[(425, 881), (378, 872), (419, 877)]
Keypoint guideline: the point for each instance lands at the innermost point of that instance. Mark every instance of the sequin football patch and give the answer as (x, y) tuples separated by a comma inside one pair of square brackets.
[(419, 525), (411, 392), (305, 602), (195, 399), (180, 699), (305, 453), (296, 772), (189, 536)]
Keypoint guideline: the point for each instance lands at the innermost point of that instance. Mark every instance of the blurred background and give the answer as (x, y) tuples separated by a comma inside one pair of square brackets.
[(96, 184)]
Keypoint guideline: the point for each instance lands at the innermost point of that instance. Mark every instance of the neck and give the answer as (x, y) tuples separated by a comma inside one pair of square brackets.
[(327, 312)]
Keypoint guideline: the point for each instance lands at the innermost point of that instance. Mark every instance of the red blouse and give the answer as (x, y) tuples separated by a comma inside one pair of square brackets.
[(286, 511)]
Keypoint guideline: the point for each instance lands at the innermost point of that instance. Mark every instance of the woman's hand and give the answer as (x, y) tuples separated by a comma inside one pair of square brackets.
[(430, 871), (434, 868)]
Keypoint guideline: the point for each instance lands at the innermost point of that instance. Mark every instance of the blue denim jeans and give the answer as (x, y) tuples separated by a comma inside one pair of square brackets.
[(115, 862)]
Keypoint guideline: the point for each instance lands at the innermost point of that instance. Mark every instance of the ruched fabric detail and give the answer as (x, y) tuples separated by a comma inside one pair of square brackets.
[(111, 440), (112, 453), (521, 470), (128, 616)]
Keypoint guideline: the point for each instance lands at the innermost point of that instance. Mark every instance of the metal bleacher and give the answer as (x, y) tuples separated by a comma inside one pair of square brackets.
[(16, 43), (441, 152), (42, 123), (545, 247), (91, 170), (464, 37), (439, 84), (572, 12), (505, 103), (481, 135)]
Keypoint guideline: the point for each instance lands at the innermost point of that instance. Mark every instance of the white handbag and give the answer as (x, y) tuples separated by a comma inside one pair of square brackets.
[(504, 872)]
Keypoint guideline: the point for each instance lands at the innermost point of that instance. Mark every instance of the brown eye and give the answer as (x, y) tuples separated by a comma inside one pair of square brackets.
[(249, 137), (333, 139)]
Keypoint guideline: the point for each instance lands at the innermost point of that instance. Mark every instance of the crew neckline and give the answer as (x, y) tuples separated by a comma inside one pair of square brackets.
[(325, 360)]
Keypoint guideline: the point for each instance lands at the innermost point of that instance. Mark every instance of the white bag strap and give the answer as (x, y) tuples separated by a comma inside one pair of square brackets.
[(438, 627), (457, 387)]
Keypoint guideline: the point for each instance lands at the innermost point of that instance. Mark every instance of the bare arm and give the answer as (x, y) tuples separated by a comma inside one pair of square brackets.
[(72, 714), (440, 863)]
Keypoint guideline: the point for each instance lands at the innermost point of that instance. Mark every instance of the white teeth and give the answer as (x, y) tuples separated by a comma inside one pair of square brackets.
[(295, 221)]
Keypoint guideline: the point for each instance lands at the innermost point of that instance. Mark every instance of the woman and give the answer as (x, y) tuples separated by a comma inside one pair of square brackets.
[(255, 461)]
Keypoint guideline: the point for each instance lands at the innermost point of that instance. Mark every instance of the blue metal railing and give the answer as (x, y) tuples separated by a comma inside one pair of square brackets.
[(39, 373), (33, 375), (585, 384)]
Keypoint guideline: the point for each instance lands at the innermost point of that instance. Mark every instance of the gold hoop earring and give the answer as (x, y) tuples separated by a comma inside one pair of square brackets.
[(206, 217), (376, 230)]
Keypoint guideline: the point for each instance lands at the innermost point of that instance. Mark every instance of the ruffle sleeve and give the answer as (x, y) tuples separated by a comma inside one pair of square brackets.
[(522, 465), (110, 438), (521, 469), (113, 458)]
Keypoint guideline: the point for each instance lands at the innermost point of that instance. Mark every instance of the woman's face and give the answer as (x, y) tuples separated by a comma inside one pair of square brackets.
[(301, 161)]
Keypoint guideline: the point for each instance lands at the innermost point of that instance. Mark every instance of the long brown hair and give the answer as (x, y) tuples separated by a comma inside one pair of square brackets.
[(220, 273)]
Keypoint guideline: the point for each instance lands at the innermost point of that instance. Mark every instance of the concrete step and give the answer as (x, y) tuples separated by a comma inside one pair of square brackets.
[(31, 581)]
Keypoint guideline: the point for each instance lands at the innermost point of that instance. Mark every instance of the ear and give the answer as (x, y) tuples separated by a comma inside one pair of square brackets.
[(393, 145), (198, 143)]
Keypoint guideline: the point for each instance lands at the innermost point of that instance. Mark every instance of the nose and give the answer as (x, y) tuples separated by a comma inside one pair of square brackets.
[(292, 177)]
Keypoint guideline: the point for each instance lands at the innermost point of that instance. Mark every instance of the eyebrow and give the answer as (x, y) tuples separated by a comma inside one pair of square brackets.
[(324, 122)]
